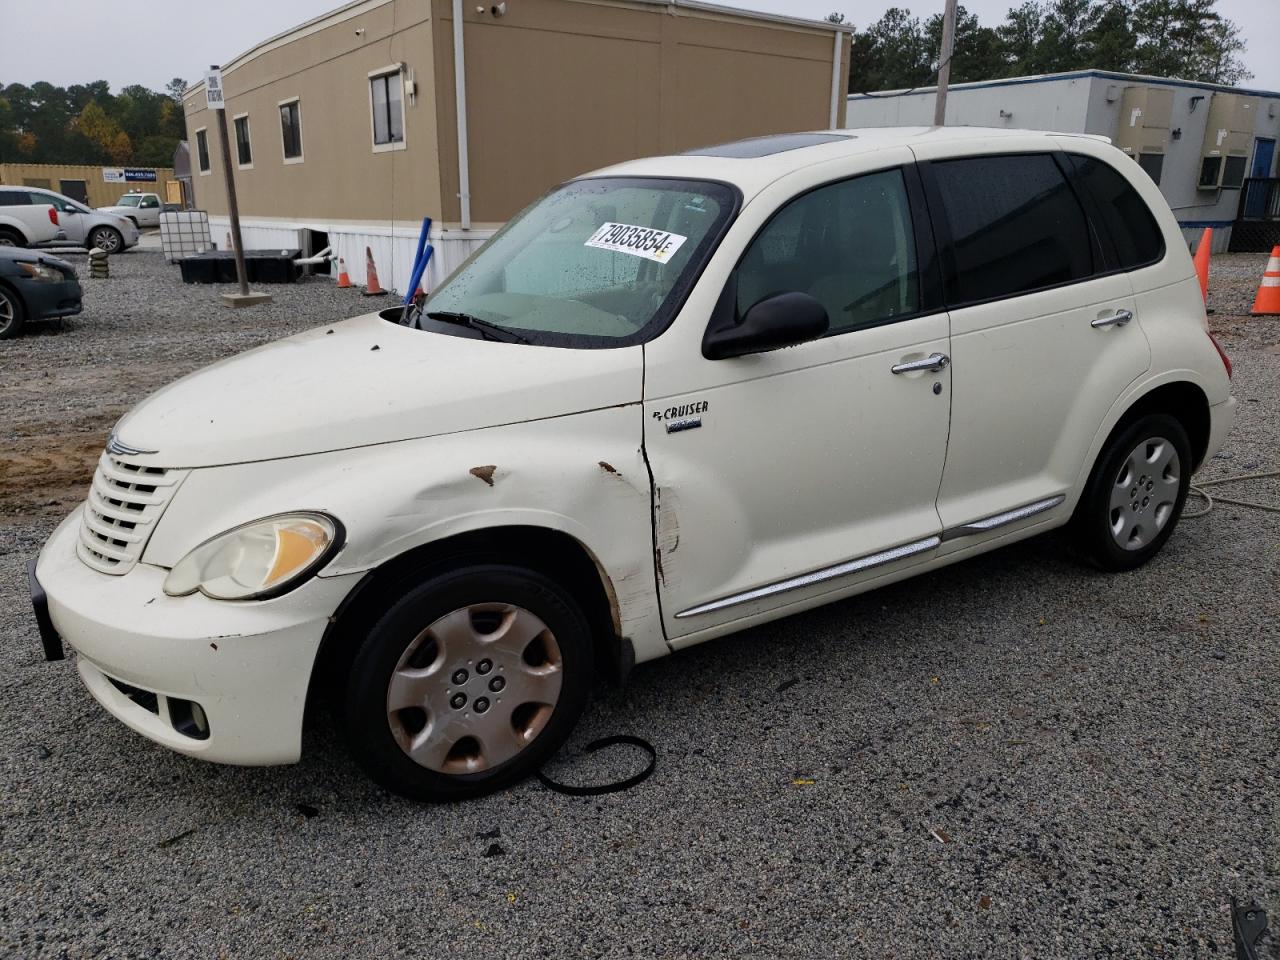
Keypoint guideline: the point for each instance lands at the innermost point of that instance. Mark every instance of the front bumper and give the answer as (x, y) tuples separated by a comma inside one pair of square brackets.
[(48, 301), (146, 657)]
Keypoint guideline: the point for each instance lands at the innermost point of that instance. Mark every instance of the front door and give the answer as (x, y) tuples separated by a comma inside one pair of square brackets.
[(1255, 201), (786, 476), (1041, 338)]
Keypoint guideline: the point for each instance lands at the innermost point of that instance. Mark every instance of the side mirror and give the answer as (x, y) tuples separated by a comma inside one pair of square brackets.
[(783, 320)]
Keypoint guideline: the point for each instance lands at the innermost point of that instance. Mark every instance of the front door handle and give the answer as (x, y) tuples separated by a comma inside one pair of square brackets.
[(1117, 319), (934, 362)]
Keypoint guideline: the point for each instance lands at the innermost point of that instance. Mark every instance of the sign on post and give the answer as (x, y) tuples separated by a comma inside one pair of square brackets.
[(213, 89)]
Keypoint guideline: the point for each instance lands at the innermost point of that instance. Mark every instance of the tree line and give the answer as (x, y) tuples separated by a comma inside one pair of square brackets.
[(1187, 39), (87, 123)]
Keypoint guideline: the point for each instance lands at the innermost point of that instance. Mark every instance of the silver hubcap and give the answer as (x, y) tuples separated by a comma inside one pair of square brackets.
[(475, 688), (106, 240), (1144, 493), (7, 313)]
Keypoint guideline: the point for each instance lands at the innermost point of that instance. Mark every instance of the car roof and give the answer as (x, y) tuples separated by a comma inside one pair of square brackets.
[(753, 163)]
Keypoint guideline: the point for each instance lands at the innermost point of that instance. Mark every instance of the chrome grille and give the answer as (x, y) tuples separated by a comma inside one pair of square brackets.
[(124, 503)]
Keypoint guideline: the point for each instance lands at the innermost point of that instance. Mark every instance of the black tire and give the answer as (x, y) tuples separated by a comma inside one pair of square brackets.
[(11, 238), (106, 238), (12, 313), (1097, 525), (368, 721)]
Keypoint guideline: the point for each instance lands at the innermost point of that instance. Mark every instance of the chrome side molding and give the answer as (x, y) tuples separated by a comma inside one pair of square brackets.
[(997, 520), (817, 576)]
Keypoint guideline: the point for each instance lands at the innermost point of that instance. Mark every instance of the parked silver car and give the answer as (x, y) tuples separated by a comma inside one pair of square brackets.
[(85, 226)]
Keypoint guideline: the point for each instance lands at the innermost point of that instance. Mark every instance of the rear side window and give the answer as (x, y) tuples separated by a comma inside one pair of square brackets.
[(1125, 216), (1015, 226), (15, 198)]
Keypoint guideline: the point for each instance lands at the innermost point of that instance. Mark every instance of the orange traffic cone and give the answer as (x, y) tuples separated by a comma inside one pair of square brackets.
[(1202, 261), (1267, 303), (344, 280), (372, 287)]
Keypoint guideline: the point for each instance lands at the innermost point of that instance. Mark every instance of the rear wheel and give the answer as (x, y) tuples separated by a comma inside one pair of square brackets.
[(106, 239), (1135, 495), (468, 683), (12, 314)]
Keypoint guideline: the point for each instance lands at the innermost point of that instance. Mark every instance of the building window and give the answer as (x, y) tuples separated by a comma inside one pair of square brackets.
[(244, 151), (202, 149), (1233, 173), (1210, 168), (291, 130), (1153, 164), (386, 100)]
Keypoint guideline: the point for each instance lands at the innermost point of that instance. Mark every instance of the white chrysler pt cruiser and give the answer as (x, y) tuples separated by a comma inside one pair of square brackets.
[(668, 401)]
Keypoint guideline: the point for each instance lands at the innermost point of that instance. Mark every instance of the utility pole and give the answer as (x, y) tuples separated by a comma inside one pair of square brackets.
[(944, 63), (217, 103)]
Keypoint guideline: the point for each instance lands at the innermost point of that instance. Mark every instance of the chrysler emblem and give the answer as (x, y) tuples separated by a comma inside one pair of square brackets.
[(120, 449)]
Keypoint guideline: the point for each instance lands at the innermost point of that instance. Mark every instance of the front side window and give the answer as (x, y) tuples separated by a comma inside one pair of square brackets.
[(850, 245), (1125, 216), (603, 262), (1015, 226), (202, 150), (291, 130), (244, 151), (388, 109)]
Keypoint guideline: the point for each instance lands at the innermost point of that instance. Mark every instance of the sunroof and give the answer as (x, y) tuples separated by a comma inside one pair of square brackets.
[(765, 146)]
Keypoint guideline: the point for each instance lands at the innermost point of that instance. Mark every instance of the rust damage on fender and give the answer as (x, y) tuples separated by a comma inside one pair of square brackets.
[(484, 473)]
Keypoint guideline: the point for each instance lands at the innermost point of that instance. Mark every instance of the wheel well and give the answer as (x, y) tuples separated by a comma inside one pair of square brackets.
[(1183, 401), (14, 234), (555, 555)]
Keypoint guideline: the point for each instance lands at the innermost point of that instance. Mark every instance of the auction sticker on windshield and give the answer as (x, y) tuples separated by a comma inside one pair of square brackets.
[(644, 242)]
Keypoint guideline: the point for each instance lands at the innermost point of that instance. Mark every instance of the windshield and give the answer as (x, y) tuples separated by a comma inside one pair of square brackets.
[(604, 262), (129, 200)]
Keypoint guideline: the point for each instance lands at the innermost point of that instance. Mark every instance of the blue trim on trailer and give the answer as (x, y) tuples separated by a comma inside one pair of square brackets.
[(1193, 224), (1070, 75)]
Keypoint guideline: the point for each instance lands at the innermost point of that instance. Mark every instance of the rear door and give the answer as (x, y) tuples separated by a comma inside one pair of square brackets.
[(1042, 342)]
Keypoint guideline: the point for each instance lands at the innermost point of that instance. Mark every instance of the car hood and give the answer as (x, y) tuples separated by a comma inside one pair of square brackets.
[(362, 382)]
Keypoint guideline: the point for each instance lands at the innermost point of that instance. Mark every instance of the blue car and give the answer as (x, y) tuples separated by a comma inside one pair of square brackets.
[(35, 286)]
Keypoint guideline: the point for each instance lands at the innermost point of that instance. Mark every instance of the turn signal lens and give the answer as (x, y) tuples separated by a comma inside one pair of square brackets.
[(256, 561)]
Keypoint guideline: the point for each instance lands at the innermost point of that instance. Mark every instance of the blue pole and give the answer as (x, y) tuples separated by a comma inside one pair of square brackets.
[(418, 255)]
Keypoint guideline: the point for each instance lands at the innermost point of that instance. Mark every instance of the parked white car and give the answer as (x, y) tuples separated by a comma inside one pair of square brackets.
[(591, 448), (24, 222), (85, 226), (143, 209)]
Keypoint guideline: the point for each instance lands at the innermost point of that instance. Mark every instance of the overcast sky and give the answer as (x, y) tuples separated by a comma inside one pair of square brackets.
[(142, 41)]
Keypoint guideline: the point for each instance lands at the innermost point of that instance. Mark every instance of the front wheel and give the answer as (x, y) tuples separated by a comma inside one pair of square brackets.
[(468, 683), (11, 314), (1135, 495), (106, 239)]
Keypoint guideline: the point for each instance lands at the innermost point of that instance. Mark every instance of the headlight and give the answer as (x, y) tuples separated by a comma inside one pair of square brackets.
[(258, 560), (45, 274)]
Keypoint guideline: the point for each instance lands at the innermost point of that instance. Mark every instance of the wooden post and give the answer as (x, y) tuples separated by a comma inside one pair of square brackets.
[(944, 63)]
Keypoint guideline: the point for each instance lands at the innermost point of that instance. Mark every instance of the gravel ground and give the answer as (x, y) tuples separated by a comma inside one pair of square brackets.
[(1051, 763)]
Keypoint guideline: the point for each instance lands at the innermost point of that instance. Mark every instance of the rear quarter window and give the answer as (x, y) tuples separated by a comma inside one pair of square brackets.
[(1125, 217), (14, 198)]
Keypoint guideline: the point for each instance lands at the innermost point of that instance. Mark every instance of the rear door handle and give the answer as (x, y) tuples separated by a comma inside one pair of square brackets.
[(935, 361), (1117, 319)]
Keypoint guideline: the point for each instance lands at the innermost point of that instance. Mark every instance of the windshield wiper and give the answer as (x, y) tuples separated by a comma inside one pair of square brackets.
[(495, 331)]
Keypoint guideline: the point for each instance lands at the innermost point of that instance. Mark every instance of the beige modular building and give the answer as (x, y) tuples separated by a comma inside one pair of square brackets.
[(351, 128), (93, 185)]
